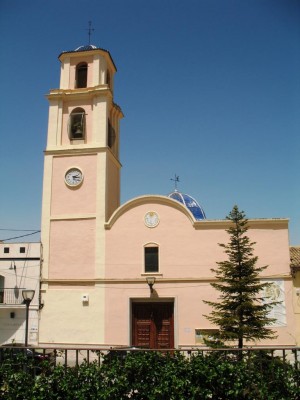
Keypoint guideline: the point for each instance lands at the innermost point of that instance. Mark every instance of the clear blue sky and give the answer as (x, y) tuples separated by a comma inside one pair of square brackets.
[(210, 90)]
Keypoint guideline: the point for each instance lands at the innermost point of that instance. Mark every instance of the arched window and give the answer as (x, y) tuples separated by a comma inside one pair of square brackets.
[(111, 135), (151, 257), (108, 79), (77, 124), (81, 75)]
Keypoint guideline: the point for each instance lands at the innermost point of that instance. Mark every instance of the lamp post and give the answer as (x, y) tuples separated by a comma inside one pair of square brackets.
[(27, 296), (150, 280)]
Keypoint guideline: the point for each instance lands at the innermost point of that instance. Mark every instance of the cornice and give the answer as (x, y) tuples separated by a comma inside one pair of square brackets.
[(72, 94), (272, 223), (137, 201), (264, 223), (75, 53), (142, 280), (69, 151), (117, 110), (98, 281), (72, 150), (64, 217)]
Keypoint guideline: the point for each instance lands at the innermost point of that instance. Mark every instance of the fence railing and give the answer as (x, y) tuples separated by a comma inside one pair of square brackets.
[(11, 296), (73, 357)]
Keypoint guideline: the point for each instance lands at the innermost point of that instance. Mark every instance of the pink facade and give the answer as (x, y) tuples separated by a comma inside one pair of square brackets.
[(69, 236), (66, 201), (67, 240), (135, 274), (187, 252)]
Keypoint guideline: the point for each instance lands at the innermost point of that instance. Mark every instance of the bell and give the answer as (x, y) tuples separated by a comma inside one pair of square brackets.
[(78, 129)]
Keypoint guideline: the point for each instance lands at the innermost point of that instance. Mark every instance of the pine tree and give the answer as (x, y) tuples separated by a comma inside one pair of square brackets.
[(241, 314)]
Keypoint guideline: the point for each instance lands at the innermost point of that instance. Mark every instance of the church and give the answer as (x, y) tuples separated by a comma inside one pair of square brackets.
[(135, 274)]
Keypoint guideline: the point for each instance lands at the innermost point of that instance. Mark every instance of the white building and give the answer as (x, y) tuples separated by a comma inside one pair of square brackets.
[(19, 270)]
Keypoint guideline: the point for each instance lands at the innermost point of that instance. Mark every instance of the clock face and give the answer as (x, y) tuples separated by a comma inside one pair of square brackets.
[(73, 177), (151, 219)]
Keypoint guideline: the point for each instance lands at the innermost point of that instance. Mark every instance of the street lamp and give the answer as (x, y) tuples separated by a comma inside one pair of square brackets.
[(150, 280), (27, 296)]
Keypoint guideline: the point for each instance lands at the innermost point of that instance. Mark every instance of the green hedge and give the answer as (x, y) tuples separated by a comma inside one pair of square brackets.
[(154, 376)]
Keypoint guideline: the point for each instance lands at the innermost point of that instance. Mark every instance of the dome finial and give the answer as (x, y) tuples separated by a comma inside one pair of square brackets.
[(176, 179)]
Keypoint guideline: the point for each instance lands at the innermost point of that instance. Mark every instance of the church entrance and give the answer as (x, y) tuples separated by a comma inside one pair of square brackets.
[(153, 325)]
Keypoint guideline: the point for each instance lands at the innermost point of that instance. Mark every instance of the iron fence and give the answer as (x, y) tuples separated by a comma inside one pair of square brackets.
[(74, 356)]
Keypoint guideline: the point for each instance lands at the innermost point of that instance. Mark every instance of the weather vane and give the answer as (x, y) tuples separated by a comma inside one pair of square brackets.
[(176, 179), (90, 30)]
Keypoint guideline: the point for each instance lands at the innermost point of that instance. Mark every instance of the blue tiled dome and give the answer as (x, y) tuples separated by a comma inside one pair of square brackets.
[(86, 48), (190, 203)]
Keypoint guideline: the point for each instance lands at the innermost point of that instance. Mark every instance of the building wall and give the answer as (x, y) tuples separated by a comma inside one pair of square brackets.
[(70, 320), (73, 202), (93, 269), (113, 187), (295, 302), (73, 234), (187, 252), (20, 271)]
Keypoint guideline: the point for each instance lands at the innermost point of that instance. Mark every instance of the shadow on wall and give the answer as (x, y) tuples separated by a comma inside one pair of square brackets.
[(12, 325)]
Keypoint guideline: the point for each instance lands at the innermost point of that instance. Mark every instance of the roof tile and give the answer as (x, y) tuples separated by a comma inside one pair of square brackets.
[(295, 256)]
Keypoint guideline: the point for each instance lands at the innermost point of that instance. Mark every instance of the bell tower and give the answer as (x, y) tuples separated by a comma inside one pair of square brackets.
[(81, 190)]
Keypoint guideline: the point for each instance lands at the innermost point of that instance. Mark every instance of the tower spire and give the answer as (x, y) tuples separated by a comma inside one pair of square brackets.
[(90, 30)]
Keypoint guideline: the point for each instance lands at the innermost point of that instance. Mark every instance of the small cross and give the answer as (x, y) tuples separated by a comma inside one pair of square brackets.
[(176, 179), (90, 30)]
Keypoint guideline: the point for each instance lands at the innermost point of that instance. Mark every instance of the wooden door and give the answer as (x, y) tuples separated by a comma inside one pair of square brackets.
[(153, 325)]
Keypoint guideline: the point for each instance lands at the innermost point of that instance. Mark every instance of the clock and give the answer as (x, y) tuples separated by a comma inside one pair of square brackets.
[(73, 177), (151, 219)]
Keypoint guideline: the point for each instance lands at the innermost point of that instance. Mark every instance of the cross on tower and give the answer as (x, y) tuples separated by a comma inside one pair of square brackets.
[(90, 30), (176, 179)]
